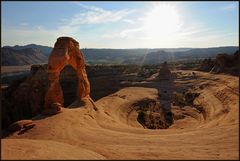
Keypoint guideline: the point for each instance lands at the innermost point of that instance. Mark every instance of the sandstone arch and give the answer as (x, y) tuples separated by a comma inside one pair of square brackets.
[(66, 51)]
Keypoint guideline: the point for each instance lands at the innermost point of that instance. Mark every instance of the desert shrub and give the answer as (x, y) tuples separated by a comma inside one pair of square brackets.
[(235, 70), (147, 71), (131, 69), (184, 98), (179, 99), (144, 104), (151, 115), (189, 97)]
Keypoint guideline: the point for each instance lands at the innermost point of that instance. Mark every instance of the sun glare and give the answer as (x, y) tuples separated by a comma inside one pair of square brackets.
[(162, 20)]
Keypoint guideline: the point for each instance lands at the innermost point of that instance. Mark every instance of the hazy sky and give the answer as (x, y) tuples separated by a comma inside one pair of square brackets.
[(122, 24)]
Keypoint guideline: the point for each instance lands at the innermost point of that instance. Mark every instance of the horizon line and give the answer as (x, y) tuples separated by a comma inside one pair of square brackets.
[(131, 48)]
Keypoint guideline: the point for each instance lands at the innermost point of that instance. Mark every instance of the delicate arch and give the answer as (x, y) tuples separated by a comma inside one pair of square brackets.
[(66, 51)]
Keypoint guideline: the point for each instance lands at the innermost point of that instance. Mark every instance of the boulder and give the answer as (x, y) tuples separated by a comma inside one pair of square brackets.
[(18, 125)]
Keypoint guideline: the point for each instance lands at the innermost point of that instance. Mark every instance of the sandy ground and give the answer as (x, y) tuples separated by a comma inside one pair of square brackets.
[(112, 132)]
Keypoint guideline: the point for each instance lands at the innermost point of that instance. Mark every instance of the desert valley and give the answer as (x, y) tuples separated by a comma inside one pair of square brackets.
[(120, 80), (175, 110)]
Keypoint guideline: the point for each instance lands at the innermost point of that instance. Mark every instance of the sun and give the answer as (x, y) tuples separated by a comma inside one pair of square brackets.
[(162, 20)]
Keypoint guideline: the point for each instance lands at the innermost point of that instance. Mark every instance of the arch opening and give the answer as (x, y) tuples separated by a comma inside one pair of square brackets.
[(68, 81)]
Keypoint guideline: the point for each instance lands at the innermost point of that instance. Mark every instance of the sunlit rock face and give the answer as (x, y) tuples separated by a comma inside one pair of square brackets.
[(66, 51)]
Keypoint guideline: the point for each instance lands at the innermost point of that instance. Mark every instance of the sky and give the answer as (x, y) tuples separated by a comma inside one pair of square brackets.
[(130, 24)]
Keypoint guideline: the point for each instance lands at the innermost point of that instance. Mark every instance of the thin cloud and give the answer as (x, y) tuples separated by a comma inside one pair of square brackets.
[(126, 33), (130, 33), (96, 15), (93, 8), (229, 7), (93, 15), (129, 21), (15, 36), (24, 24)]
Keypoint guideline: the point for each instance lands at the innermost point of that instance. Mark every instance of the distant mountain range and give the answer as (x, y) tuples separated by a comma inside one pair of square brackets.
[(44, 49), (26, 56), (151, 56), (37, 54)]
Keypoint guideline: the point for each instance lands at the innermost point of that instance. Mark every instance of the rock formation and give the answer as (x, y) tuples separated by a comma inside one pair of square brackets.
[(21, 126), (66, 51), (24, 98), (222, 61), (151, 115), (227, 64)]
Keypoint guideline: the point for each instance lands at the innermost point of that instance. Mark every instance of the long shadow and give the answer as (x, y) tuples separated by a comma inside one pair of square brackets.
[(165, 92)]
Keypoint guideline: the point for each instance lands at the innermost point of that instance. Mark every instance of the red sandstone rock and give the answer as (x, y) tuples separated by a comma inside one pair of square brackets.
[(25, 128), (18, 125), (66, 51)]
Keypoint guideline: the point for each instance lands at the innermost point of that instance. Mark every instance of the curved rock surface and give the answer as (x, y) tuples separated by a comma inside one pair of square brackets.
[(113, 131)]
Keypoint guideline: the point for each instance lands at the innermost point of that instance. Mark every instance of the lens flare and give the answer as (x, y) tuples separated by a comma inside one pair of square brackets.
[(162, 20)]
